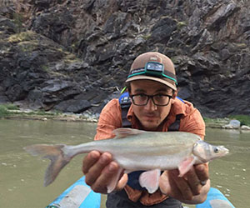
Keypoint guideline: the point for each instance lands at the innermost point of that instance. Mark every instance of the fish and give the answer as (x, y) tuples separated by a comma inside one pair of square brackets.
[(135, 150)]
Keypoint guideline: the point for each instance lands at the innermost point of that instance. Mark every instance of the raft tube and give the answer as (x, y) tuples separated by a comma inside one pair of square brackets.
[(215, 199), (78, 195)]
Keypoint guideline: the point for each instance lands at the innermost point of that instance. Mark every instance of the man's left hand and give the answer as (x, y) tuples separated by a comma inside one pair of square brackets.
[(192, 188)]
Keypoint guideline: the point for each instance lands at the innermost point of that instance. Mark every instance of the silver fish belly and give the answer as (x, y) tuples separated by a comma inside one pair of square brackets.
[(133, 150)]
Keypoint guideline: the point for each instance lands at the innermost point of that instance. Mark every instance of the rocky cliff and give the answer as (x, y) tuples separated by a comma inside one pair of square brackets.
[(74, 56)]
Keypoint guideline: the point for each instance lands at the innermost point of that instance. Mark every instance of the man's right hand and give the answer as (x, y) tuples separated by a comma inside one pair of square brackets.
[(100, 170)]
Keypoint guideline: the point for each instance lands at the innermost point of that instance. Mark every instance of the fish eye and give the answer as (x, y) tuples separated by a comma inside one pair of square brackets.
[(216, 150)]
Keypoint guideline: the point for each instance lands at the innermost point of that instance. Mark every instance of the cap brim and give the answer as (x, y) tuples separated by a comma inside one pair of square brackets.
[(141, 77)]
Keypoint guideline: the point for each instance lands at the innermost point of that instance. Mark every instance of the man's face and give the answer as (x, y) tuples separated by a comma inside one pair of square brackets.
[(150, 115)]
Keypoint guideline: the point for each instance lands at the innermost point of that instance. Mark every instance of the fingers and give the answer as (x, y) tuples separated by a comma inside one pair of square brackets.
[(122, 182), (187, 187), (197, 177), (90, 160), (95, 170), (193, 182), (180, 186), (202, 172), (164, 183), (105, 178), (99, 170)]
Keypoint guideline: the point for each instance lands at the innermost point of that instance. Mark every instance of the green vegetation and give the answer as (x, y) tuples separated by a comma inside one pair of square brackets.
[(28, 46), (13, 110), (244, 119), (241, 45), (70, 58), (181, 25), (42, 113), (45, 68), (146, 36), (20, 37), (35, 113), (74, 47), (174, 59), (3, 111), (18, 20), (11, 107), (216, 122), (219, 122)]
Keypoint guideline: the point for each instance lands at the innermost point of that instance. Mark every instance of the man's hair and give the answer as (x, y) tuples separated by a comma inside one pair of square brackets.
[(128, 87)]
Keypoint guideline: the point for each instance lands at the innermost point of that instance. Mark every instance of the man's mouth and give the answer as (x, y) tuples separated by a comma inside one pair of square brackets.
[(150, 116)]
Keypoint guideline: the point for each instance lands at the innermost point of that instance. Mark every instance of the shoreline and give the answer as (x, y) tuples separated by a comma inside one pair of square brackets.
[(54, 116), (216, 123)]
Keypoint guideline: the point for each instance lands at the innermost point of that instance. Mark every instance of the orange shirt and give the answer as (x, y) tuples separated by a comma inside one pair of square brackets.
[(110, 119)]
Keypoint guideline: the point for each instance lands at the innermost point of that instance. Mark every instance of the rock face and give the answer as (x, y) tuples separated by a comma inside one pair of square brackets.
[(74, 56)]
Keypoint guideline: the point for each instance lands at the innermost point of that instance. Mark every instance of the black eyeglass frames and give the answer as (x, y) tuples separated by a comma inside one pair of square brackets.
[(158, 99)]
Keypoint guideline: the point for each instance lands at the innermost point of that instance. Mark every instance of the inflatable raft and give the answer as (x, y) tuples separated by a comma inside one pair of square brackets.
[(80, 195)]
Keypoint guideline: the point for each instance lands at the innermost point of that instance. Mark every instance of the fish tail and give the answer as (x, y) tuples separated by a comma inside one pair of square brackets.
[(56, 155)]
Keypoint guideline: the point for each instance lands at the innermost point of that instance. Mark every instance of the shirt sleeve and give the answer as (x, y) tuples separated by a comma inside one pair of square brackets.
[(109, 120), (193, 123)]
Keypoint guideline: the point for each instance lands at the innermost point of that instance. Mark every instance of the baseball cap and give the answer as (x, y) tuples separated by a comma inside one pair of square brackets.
[(153, 66)]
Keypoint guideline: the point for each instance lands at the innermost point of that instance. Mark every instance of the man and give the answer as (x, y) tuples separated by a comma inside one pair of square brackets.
[(152, 87)]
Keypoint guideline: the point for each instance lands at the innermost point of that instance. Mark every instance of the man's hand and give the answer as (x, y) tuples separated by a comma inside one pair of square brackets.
[(100, 170), (192, 188)]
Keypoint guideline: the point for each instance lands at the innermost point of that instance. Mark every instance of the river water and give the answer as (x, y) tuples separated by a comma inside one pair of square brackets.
[(21, 175)]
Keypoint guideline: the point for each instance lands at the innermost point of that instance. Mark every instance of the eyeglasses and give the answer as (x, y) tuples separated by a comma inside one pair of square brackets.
[(158, 99)]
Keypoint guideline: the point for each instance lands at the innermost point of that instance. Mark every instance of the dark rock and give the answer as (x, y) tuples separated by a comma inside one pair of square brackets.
[(75, 106), (163, 30), (42, 4), (75, 55), (56, 91), (7, 26), (220, 15), (35, 96), (88, 5), (16, 93), (116, 24), (184, 93)]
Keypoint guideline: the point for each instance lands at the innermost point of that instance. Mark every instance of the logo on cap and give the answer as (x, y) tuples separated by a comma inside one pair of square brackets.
[(153, 58)]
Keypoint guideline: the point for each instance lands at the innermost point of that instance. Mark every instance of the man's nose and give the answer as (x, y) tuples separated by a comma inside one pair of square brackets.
[(150, 105)]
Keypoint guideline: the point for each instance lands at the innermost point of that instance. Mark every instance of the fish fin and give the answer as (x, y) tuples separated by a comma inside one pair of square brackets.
[(124, 132), (113, 183), (55, 154), (186, 165), (150, 180)]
